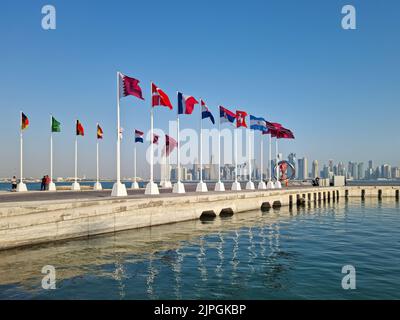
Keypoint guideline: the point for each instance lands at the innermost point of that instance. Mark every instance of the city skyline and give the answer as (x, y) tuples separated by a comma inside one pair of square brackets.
[(309, 74)]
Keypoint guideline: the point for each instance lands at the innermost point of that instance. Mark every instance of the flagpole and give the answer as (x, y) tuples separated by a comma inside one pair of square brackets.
[(278, 184), (219, 186), (178, 186), (250, 184), (270, 184), (119, 189), (135, 184), (21, 187), (75, 186), (201, 186), (52, 186), (262, 184), (151, 187), (235, 185)]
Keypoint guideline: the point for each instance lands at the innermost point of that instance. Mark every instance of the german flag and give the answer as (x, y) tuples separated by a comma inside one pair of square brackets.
[(99, 132), (79, 129), (24, 121)]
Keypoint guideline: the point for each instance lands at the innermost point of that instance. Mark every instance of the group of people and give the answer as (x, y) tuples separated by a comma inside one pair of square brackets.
[(43, 186), (45, 183)]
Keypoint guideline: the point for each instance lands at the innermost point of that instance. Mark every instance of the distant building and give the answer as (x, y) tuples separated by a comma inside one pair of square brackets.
[(303, 169), (315, 169), (361, 173)]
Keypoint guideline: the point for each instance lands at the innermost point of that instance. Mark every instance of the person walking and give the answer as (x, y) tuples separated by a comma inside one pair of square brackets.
[(14, 184)]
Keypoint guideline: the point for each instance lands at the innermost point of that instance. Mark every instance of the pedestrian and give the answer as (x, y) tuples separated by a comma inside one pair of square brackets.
[(43, 185), (14, 184), (47, 182)]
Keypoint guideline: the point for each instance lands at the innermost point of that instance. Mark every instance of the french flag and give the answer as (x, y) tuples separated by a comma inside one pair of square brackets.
[(258, 123), (226, 115), (205, 113), (139, 136), (186, 103)]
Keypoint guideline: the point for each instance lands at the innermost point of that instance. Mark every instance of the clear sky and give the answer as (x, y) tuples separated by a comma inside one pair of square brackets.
[(289, 61)]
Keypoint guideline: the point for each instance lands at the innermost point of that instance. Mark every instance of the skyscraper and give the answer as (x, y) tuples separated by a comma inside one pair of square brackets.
[(303, 168), (315, 169)]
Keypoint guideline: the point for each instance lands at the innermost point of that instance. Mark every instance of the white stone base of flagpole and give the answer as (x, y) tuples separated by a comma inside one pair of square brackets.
[(270, 185), (219, 186), (135, 185), (75, 186), (52, 187), (119, 190), (250, 185), (151, 188), (179, 187), (278, 185), (21, 187), (262, 185), (97, 186), (168, 184), (201, 187), (236, 186)]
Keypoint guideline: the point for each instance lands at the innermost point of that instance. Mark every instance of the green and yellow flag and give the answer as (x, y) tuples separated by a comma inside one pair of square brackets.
[(55, 125)]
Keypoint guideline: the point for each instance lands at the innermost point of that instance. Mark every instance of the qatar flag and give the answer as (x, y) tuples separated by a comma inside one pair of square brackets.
[(129, 87)]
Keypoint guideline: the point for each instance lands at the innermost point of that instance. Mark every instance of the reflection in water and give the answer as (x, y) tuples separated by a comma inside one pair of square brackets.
[(251, 255)]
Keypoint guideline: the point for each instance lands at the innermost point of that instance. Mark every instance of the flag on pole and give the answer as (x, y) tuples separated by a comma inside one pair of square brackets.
[(258, 123), (170, 144), (155, 138), (159, 97), (129, 87), (79, 129), (24, 121), (186, 104), (241, 119), (139, 136), (284, 133), (226, 115), (99, 132), (55, 125), (205, 113)]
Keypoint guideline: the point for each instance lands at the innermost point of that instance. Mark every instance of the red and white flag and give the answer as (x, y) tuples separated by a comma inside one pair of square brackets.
[(241, 119), (159, 97)]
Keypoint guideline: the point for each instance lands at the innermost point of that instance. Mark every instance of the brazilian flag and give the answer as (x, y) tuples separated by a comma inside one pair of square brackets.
[(55, 125)]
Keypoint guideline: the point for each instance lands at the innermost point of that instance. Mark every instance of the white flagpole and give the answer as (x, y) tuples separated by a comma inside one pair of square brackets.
[(52, 186), (151, 187), (135, 184), (201, 144), (21, 185), (201, 186), (119, 189), (250, 184), (75, 185), (262, 184), (178, 186), (262, 158), (219, 186), (97, 185), (235, 185), (278, 184)]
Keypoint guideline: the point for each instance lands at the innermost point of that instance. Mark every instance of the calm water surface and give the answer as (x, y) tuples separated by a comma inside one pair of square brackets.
[(296, 254)]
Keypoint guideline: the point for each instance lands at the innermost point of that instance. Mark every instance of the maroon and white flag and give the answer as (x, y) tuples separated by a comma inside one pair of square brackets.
[(129, 87)]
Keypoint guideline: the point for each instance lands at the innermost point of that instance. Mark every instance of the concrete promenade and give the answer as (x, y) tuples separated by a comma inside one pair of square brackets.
[(38, 217)]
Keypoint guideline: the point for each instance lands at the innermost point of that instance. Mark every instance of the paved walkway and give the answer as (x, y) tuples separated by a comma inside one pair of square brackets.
[(92, 195)]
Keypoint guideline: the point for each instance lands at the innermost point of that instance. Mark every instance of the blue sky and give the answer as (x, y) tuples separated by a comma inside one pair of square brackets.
[(289, 61)]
